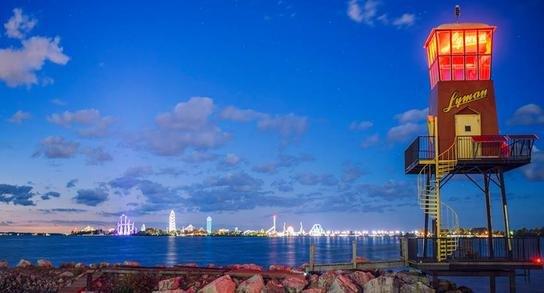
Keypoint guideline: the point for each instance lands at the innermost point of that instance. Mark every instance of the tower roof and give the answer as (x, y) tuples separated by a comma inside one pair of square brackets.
[(459, 26)]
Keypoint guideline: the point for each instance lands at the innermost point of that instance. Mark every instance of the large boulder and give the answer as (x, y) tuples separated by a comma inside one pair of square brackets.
[(222, 284), (361, 278), (66, 274), (413, 278), (314, 290), (3, 264), (249, 267), (44, 264), (342, 284), (416, 287), (313, 281), (252, 285), (23, 263), (170, 284), (282, 268), (326, 279), (382, 284), (294, 284), (273, 286)]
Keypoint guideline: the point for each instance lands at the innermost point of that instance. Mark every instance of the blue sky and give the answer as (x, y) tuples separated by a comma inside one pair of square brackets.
[(242, 109)]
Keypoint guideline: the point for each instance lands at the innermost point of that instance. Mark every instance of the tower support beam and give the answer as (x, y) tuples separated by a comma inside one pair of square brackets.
[(488, 212), (500, 174)]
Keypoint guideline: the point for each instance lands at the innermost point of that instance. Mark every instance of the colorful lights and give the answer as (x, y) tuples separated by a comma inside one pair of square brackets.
[(459, 52)]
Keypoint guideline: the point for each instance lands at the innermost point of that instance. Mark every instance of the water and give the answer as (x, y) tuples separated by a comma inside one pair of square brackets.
[(152, 251)]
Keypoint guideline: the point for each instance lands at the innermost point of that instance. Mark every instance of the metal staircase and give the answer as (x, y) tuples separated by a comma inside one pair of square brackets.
[(430, 179)]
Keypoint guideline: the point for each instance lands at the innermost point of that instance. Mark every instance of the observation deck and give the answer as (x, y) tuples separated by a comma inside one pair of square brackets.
[(473, 154)]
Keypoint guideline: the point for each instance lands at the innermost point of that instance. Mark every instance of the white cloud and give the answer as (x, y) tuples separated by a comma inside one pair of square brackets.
[(404, 131), (58, 102), (190, 115), (370, 141), (56, 147), (365, 14), (19, 66), (360, 125), (288, 126), (188, 125), (19, 24), (530, 114), (240, 115), (19, 116), (89, 121), (407, 19), (231, 159), (97, 156), (413, 115)]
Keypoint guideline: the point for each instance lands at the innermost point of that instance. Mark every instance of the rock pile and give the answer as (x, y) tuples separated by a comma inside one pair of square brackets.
[(41, 277)]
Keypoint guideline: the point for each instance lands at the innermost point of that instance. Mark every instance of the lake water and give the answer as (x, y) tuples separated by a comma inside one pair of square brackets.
[(150, 251)]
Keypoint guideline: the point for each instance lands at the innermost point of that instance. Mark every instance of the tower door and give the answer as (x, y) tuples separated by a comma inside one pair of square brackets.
[(466, 126)]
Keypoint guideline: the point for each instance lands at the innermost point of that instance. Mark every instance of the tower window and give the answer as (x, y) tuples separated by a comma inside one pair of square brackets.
[(468, 128)]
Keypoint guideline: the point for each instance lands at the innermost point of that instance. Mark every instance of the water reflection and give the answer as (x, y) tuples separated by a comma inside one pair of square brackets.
[(171, 251)]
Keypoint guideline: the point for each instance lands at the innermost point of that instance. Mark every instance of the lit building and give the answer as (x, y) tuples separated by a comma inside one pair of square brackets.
[(125, 226), (209, 225), (172, 222), (142, 228)]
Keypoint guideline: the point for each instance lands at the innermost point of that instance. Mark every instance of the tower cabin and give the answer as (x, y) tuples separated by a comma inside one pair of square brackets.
[(462, 104)]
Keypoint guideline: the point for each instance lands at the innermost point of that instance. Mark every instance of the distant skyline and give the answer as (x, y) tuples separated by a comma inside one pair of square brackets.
[(241, 110)]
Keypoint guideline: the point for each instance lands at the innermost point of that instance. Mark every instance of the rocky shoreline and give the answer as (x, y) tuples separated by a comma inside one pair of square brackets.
[(248, 278)]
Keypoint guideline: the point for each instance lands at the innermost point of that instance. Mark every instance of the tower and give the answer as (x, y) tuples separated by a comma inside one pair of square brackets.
[(463, 136), (209, 225), (172, 221)]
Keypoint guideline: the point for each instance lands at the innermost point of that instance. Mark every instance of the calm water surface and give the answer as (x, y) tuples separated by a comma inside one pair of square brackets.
[(151, 251)]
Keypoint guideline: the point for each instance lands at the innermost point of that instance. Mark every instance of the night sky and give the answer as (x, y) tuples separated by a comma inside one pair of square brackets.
[(243, 109)]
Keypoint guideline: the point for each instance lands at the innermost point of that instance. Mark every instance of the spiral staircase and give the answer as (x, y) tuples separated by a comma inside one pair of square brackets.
[(430, 179)]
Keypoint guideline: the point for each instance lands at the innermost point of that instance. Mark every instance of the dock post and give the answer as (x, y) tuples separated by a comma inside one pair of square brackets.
[(312, 257), (89, 283), (512, 281), (492, 284), (354, 253), (488, 210), (404, 249)]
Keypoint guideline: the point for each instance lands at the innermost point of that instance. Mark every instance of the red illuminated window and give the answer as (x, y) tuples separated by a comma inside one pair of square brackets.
[(443, 42), (458, 66), (434, 73), (485, 66), (484, 42), (471, 68), (431, 51), (457, 44), (471, 42), (445, 67)]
